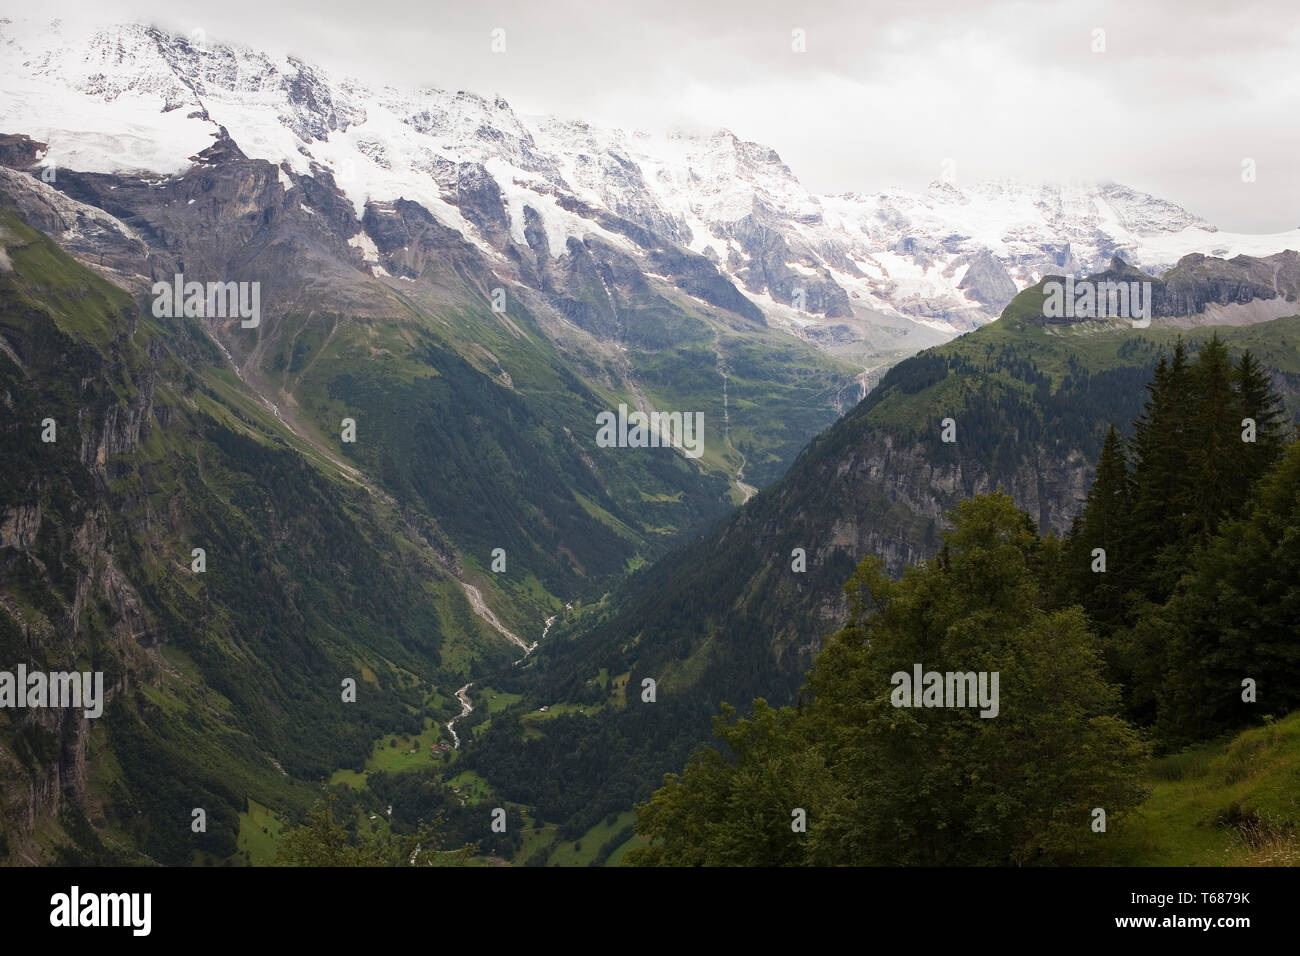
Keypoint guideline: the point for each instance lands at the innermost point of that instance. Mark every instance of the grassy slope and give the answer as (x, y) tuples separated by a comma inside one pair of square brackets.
[(1232, 802)]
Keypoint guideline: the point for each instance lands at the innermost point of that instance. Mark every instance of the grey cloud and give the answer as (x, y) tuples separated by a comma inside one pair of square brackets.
[(885, 92)]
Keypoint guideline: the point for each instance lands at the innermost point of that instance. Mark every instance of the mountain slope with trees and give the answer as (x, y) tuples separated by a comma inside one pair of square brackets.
[(127, 444), (730, 616), (1196, 554)]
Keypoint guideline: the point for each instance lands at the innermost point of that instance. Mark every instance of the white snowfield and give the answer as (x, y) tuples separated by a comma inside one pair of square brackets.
[(128, 98)]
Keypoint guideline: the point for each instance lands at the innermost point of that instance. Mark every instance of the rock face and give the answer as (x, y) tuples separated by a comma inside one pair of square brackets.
[(1199, 281), (891, 497), (96, 237), (1203, 286), (19, 152), (19, 526), (883, 495), (409, 240), (54, 766), (986, 281)]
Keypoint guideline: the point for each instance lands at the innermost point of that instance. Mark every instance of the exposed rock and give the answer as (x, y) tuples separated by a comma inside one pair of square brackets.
[(18, 151), (986, 281), (19, 526)]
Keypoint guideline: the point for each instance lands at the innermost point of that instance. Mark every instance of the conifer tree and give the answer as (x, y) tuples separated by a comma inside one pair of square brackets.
[(1236, 617), (1216, 464), (1191, 471), (1261, 405), (1097, 548), (1161, 485)]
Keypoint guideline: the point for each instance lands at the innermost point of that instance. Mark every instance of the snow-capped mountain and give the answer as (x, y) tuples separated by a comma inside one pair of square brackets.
[(865, 274)]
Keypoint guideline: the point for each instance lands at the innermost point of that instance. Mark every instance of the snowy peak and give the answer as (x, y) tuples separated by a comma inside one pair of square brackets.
[(858, 270)]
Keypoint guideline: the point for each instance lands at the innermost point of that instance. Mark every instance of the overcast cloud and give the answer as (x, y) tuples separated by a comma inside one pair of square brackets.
[(885, 92)]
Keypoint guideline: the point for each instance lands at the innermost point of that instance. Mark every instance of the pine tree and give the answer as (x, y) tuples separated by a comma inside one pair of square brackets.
[(1216, 463), (1236, 616), (1161, 481), (1100, 578), (1262, 405)]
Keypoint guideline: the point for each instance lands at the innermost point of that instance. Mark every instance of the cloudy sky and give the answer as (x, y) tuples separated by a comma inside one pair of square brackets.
[(1168, 97)]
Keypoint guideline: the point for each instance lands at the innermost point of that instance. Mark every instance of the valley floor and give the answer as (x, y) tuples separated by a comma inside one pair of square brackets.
[(1231, 802)]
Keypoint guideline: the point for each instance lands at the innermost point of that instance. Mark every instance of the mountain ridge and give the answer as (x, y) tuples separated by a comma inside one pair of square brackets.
[(856, 273)]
